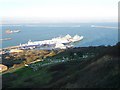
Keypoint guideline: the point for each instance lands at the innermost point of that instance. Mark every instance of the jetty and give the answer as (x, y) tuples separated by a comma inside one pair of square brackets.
[(5, 39), (12, 47), (94, 26)]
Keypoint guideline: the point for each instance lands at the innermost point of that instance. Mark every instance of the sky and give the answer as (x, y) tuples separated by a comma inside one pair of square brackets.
[(59, 10)]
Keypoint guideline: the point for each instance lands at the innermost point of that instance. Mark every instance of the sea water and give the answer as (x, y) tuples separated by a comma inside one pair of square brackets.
[(36, 32)]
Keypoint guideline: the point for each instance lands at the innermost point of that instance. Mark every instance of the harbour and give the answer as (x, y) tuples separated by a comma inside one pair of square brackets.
[(59, 44), (92, 36), (54, 43)]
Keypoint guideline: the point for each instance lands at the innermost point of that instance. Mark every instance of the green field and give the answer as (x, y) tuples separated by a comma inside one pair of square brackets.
[(83, 67)]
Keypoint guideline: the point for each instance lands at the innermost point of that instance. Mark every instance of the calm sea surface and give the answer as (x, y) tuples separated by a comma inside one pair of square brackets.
[(92, 36)]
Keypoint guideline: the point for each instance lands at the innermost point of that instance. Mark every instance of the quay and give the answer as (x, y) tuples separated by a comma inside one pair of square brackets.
[(55, 43), (9, 48)]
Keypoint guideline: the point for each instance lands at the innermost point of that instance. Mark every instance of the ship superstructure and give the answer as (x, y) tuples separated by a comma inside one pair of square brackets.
[(59, 42)]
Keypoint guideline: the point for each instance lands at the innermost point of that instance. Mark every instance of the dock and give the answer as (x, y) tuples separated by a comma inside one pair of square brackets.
[(12, 47)]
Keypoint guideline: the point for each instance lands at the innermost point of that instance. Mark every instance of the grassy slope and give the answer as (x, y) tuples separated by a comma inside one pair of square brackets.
[(102, 70)]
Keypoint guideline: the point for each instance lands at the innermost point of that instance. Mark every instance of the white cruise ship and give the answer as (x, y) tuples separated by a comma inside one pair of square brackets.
[(59, 42)]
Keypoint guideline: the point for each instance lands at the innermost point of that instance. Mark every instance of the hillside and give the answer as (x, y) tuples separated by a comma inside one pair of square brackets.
[(83, 67)]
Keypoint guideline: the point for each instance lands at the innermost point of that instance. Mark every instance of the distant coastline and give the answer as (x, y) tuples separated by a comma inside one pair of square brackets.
[(94, 26)]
